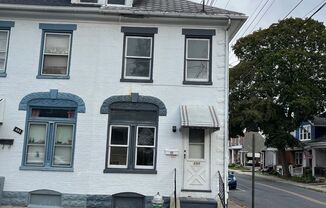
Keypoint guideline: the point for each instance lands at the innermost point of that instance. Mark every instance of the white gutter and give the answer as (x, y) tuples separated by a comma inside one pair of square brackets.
[(105, 10), (226, 110)]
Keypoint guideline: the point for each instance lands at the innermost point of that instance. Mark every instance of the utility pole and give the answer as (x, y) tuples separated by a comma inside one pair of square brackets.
[(253, 172)]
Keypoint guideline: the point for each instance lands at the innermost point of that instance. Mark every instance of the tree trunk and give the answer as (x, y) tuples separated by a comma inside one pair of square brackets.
[(284, 162)]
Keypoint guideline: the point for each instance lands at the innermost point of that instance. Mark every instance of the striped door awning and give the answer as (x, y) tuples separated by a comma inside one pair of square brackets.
[(199, 116)]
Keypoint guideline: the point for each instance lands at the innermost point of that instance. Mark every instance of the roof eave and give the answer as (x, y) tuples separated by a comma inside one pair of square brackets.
[(104, 10)]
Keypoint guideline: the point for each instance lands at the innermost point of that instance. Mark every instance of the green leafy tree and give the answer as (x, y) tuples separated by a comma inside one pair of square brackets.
[(280, 81)]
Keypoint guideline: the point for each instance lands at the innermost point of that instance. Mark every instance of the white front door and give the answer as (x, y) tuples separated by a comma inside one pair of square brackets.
[(196, 159)]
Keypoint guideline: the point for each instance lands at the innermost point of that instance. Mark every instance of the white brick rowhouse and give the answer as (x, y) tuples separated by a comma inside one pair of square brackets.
[(99, 78)]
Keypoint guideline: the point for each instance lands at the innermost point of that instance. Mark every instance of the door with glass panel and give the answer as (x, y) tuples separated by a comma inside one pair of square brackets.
[(196, 159)]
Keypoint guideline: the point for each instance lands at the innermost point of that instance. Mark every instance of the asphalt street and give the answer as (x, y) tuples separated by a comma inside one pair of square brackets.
[(270, 194)]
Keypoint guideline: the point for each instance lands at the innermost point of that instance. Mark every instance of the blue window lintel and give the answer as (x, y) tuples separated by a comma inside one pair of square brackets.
[(59, 27), (6, 24)]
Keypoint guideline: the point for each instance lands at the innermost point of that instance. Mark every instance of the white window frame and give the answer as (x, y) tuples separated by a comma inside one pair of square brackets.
[(150, 58), (52, 54), (67, 146), (198, 59), (2, 71), (145, 146), (115, 145), (305, 133)]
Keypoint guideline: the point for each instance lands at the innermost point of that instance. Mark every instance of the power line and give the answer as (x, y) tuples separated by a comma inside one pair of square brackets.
[(263, 15), (247, 22), (293, 9), (317, 10), (314, 8), (255, 18), (227, 4)]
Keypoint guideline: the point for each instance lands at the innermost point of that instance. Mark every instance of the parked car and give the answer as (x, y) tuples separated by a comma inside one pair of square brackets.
[(232, 181)]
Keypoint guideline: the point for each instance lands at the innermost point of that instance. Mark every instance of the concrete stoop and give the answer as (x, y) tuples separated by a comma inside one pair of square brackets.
[(188, 202)]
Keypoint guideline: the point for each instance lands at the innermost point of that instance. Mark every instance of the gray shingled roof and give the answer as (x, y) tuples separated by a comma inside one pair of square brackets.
[(164, 6)]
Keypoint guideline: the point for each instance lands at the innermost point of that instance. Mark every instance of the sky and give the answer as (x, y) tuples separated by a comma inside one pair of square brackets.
[(271, 12)]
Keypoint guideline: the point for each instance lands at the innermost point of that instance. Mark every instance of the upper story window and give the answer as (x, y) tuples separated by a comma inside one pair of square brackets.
[(305, 132), (198, 56), (5, 27), (50, 130), (138, 54), (56, 50)]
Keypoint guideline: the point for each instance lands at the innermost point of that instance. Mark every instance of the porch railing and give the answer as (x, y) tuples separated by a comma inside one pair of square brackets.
[(296, 171), (221, 190)]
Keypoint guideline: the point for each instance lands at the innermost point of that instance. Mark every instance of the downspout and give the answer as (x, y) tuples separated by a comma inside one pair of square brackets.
[(226, 109)]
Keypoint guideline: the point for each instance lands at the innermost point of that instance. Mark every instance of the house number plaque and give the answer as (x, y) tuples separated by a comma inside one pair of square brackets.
[(18, 130), (196, 163)]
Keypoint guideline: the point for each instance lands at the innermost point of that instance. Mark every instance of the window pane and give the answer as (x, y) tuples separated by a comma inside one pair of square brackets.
[(119, 135), (196, 151), (62, 155), (64, 134), (57, 44), (146, 136), (3, 41), (2, 60), (138, 47), (55, 64), (198, 49), (118, 155), (37, 134), (145, 156), (196, 135), (53, 113), (35, 154), (138, 67), (197, 70)]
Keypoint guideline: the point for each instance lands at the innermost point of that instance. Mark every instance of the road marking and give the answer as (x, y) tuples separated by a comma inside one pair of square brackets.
[(295, 194)]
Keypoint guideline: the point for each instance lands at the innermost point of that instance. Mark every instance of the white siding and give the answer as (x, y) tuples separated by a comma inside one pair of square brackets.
[(95, 73)]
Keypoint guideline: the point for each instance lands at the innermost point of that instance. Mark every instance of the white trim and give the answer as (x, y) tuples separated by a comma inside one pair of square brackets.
[(145, 146), (115, 145), (150, 57), (305, 130), (198, 59), (2, 70)]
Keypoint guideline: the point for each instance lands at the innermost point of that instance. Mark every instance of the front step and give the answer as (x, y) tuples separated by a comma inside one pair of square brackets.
[(189, 202)]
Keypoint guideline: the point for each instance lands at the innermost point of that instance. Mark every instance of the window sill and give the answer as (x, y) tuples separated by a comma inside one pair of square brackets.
[(56, 169), (136, 80), (52, 77), (133, 171), (3, 74), (197, 83)]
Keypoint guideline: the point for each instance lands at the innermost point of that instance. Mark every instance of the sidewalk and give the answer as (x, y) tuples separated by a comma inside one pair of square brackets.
[(233, 204), (320, 187)]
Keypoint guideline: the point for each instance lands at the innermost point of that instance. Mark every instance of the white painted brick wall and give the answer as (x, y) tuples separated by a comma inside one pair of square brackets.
[(95, 74)]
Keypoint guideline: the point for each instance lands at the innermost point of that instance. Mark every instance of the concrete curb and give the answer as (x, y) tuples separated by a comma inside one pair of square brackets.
[(314, 187)]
